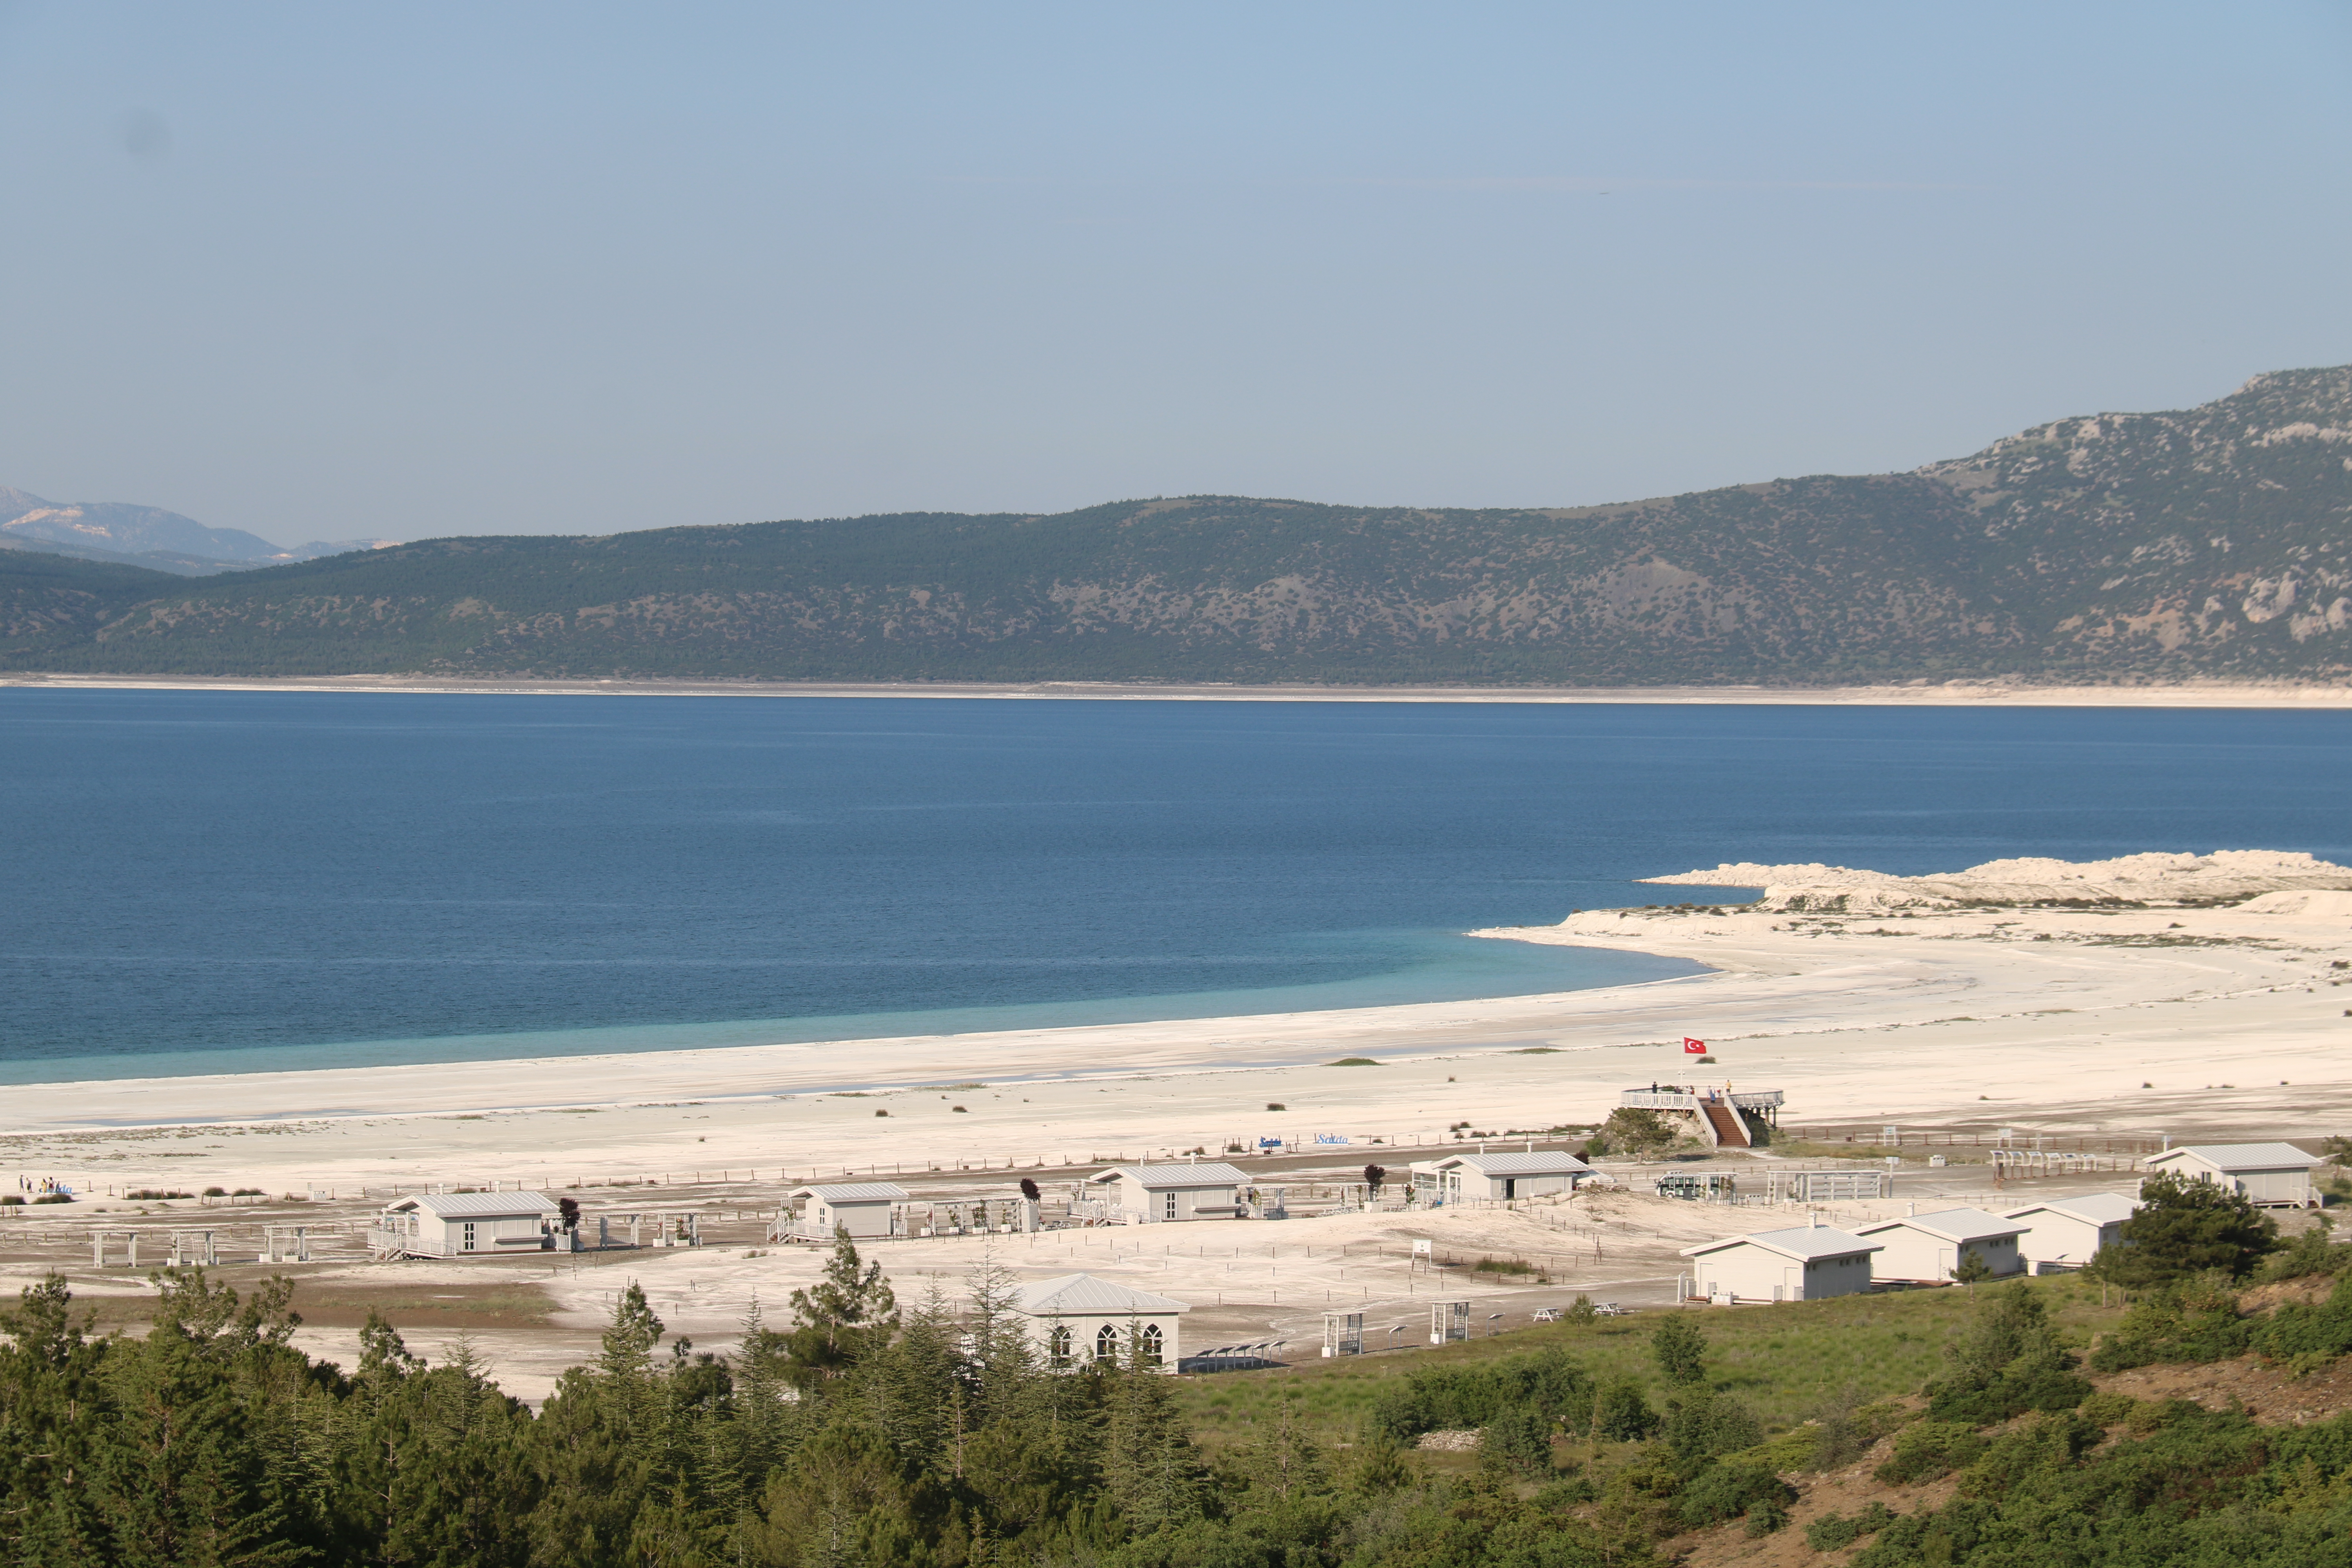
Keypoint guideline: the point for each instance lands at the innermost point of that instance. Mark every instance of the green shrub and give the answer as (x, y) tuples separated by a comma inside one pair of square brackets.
[(1679, 1347), (2184, 1228), (1731, 1492), (2306, 1336), (2009, 1361), (2045, 1444), (1703, 1428), (1832, 1533), (1453, 1398), (1517, 1440), (1619, 1414), (1930, 1448), (2110, 1409), (2193, 1320), (2313, 1252)]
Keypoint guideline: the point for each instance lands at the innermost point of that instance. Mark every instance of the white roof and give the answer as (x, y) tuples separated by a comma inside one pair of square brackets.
[(2091, 1208), (476, 1205), (1559, 1162), (854, 1191), (1952, 1224), (1805, 1241), (2242, 1156), (1207, 1173), (1075, 1293)]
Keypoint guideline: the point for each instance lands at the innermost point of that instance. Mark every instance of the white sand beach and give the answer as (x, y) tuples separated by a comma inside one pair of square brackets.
[(2057, 1016), (1955, 1003), (1993, 692)]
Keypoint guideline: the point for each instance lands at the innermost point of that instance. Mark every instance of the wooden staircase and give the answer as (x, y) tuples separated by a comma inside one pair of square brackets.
[(1731, 1130)]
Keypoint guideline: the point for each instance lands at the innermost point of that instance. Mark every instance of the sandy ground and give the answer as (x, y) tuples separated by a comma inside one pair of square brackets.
[(2108, 1030), (2189, 694)]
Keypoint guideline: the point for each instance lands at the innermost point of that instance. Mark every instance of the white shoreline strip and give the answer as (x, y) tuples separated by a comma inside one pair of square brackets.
[(1992, 693)]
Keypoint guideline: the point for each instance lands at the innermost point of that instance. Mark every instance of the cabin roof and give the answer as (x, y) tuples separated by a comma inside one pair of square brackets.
[(1558, 1163), (1207, 1173), (2091, 1208), (1955, 1225), (853, 1192), (2241, 1156), (1069, 1294), (476, 1205), (1803, 1241)]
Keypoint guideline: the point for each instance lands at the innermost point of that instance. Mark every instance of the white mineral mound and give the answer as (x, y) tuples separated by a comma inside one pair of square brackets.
[(2226, 875)]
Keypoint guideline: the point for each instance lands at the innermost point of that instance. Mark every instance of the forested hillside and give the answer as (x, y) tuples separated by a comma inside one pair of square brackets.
[(2209, 543)]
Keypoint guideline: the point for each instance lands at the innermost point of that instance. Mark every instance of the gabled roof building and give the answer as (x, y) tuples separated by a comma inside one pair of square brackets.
[(2270, 1175), (1924, 1249), (1803, 1263), (1077, 1318)]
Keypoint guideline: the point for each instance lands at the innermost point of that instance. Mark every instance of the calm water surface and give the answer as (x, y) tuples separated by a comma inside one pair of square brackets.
[(223, 881)]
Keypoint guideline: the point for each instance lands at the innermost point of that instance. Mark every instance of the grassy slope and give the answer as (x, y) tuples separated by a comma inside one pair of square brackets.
[(1784, 1361)]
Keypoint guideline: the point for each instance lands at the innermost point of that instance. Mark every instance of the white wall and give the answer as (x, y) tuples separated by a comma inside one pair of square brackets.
[(1755, 1273), (1152, 1206), (1914, 1254), (2062, 1240), (1085, 1328)]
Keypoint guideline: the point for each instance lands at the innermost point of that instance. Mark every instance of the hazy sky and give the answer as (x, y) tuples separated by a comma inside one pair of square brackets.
[(340, 270)]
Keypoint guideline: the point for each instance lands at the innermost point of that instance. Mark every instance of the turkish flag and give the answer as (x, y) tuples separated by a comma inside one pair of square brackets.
[(1694, 1047)]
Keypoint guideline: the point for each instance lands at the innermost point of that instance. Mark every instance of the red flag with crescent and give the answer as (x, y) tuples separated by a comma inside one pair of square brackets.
[(1694, 1047)]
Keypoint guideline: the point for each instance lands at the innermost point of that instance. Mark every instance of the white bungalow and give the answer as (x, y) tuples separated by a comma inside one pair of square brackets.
[(465, 1225), (1924, 1249), (1806, 1263), (1077, 1318), (2067, 1233), (1457, 1178), (1157, 1195), (2270, 1175), (867, 1210)]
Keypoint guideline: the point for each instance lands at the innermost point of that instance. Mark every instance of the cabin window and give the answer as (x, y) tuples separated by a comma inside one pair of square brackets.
[(468, 1243), (1057, 1345), (1168, 1209), (1107, 1344), (1152, 1344)]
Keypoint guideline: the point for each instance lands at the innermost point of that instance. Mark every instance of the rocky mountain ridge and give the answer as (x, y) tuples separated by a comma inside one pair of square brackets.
[(2198, 544)]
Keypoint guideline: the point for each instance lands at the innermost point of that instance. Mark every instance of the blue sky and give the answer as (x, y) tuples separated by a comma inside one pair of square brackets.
[(331, 271)]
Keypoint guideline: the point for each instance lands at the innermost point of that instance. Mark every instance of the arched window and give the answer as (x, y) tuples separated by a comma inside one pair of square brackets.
[(1107, 1342), (1152, 1344), (1057, 1345)]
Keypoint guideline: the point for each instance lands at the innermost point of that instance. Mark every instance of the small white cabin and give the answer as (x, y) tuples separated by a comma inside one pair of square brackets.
[(1077, 1318), (1805, 1263), (1459, 1178), (2270, 1175), (1924, 1249), (2066, 1233), (866, 1210), (465, 1225), (1160, 1195)]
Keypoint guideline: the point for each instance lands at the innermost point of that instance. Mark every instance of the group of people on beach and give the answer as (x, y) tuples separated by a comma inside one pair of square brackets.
[(43, 1185)]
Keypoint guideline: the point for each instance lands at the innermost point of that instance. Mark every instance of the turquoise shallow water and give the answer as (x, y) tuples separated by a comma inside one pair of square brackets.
[(203, 881)]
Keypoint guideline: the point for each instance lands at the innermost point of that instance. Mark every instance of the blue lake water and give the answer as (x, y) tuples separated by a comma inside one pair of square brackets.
[(209, 881)]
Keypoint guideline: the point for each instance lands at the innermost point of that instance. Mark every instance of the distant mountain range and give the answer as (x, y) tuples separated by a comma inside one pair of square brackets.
[(2209, 543), (146, 536)]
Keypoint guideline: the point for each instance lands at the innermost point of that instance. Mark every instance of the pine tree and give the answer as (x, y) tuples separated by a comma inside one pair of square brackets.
[(844, 1318), (1151, 1470)]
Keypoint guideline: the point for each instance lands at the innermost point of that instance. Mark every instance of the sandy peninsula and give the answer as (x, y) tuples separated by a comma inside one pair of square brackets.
[(2179, 996)]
